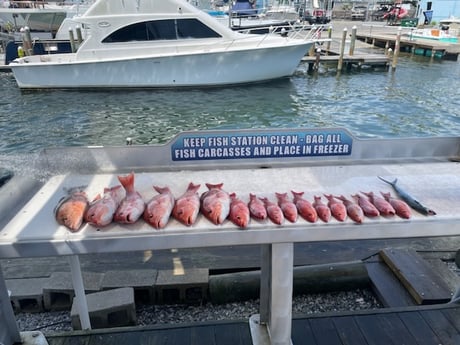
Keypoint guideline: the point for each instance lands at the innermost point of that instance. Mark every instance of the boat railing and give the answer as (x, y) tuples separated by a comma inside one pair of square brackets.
[(27, 4), (291, 30)]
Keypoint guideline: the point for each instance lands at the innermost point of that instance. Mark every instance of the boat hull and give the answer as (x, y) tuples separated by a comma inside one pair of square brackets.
[(190, 70)]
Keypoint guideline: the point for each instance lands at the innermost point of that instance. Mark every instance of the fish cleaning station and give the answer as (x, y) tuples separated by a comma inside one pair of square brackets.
[(262, 162)]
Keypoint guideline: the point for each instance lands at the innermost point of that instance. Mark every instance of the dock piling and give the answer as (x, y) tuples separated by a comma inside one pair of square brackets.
[(353, 40), (329, 36), (342, 49), (396, 52)]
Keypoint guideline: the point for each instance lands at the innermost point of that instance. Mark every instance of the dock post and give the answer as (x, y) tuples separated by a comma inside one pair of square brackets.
[(27, 41), (396, 52), (317, 61), (329, 36), (353, 40), (342, 50)]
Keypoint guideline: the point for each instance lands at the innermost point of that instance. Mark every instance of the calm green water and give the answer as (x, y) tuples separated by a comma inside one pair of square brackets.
[(421, 98)]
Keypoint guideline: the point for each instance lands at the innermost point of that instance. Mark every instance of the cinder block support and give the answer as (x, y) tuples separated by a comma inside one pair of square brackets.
[(142, 281), (58, 292), (111, 308), (189, 287), (27, 294), (9, 331)]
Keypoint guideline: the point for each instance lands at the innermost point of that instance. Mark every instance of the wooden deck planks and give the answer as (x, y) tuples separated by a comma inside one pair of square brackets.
[(444, 329), (422, 281), (423, 325), (302, 332), (348, 331), (324, 331), (420, 330)]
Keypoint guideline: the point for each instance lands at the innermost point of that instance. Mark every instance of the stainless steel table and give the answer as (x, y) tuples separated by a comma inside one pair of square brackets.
[(424, 167)]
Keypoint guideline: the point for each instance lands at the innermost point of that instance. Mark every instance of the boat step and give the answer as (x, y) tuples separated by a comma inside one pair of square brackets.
[(386, 286), (423, 283)]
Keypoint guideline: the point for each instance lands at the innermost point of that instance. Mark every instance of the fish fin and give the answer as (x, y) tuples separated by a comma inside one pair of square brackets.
[(97, 197)]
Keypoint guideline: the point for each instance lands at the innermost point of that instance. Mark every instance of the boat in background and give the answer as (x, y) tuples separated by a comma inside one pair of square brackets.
[(249, 16), (42, 18), (163, 44), (452, 25), (437, 34)]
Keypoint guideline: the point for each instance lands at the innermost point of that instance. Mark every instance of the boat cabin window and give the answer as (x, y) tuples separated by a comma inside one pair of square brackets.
[(168, 29)]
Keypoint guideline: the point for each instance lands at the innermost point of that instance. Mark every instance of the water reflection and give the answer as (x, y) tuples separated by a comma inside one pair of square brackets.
[(420, 98)]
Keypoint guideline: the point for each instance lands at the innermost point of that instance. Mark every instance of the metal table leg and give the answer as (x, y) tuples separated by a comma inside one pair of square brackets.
[(9, 331), (273, 324), (280, 320), (79, 289)]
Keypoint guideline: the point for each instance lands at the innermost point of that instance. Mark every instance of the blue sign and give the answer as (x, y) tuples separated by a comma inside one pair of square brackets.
[(261, 144)]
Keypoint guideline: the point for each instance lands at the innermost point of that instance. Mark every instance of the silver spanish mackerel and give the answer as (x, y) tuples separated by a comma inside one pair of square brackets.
[(415, 204)]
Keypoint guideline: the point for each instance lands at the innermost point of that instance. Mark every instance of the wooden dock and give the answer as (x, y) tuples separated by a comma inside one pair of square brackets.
[(425, 47), (421, 325), (357, 60)]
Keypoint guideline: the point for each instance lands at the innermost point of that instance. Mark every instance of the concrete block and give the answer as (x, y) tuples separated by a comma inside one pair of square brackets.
[(27, 294), (142, 281), (191, 286), (58, 292), (111, 308)]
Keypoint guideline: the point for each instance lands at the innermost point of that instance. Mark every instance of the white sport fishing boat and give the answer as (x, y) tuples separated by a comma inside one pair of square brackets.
[(161, 43)]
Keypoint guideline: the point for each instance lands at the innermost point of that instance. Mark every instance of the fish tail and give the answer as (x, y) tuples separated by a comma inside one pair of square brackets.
[(216, 186), (127, 182), (389, 182), (193, 187), (161, 190)]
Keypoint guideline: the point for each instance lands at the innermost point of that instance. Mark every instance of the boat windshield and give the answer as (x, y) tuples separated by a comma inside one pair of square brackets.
[(165, 29)]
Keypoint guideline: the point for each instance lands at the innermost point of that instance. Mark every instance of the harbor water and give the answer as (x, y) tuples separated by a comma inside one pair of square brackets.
[(420, 98)]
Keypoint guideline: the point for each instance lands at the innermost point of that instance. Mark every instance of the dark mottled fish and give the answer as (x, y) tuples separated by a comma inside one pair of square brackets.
[(416, 205)]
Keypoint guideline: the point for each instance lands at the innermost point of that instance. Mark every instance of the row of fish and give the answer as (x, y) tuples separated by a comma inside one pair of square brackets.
[(123, 204)]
